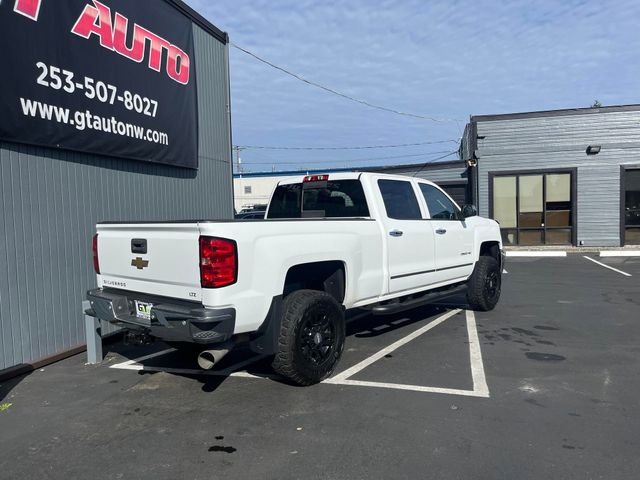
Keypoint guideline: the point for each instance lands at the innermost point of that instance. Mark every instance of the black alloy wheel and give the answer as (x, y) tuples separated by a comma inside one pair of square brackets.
[(316, 336)]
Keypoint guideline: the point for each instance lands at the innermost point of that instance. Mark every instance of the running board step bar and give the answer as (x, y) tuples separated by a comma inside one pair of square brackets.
[(395, 307)]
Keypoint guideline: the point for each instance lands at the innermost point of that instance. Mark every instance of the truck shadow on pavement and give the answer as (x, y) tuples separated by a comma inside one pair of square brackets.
[(242, 362), (6, 386), (366, 325)]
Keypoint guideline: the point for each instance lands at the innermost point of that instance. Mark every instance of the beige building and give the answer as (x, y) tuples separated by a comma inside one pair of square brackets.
[(254, 189)]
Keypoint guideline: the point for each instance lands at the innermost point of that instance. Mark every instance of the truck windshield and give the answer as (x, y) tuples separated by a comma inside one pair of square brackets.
[(331, 199)]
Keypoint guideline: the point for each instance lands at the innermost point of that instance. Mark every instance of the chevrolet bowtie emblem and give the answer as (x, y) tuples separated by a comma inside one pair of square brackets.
[(139, 263)]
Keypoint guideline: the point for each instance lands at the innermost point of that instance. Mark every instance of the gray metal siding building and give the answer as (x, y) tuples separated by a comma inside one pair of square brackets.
[(594, 147), (52, 199)]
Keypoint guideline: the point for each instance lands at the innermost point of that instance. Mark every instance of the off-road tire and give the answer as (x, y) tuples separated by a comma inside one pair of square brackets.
[(484, 285), (305, 312)]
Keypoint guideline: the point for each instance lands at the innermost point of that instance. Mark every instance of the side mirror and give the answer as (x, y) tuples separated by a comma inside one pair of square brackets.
[(469, 211)]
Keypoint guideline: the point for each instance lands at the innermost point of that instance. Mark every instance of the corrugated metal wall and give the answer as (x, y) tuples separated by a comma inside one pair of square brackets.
[(51, 200), (539, 143)]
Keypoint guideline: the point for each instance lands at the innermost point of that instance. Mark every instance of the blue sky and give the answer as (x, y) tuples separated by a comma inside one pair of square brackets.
[(448, 59)]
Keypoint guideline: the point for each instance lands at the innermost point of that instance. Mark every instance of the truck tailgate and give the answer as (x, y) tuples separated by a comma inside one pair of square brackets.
[(156, 258)]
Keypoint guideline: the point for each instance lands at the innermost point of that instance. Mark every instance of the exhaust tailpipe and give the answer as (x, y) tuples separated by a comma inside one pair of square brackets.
[(208, 358)]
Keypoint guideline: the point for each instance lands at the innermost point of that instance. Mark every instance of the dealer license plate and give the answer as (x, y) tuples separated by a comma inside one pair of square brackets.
[(143, 310)]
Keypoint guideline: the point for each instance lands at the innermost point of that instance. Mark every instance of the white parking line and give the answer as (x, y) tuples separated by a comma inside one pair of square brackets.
[(414, 388), (534, 253), (607, 266), (129, 363), (475, 354), (480, 387), (349, 372), (620, 253)]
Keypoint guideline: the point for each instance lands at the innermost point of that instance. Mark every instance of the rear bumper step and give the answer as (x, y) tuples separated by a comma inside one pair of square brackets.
[(170, 320)]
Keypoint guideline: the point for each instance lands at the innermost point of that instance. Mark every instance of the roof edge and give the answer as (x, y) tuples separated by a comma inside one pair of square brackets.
[(425, 167), (199, 20), (555, 113)]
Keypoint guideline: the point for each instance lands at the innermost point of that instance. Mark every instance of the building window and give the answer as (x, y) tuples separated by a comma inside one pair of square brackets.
[(534, 209), (632, 207), (247, 190)]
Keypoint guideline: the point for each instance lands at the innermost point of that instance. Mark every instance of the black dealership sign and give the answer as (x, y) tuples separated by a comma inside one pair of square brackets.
[(113, 77)]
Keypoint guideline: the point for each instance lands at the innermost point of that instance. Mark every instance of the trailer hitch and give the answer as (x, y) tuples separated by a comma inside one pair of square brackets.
[(138, 338)]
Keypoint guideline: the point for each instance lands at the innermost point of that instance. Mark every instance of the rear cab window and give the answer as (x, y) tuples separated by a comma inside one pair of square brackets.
[(322, 199)]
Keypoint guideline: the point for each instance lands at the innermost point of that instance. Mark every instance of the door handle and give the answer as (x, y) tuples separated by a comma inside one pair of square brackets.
[(441, 231), (396, 233), (139, 245)]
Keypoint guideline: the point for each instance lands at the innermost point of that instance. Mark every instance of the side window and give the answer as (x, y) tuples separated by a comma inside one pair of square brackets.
[(400, 201), (439, 205), (285, 202)]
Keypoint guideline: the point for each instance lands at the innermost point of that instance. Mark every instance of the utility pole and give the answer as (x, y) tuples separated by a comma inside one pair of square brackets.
[(238, 149)]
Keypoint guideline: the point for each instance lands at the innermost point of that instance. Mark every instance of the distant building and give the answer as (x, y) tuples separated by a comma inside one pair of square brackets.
[(559, 177)]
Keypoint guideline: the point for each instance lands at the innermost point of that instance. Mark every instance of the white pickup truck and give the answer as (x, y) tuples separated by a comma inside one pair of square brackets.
[(328, 243)]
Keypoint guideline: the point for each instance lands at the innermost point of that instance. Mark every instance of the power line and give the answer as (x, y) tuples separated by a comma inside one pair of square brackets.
[(311, 162), (261, 147), (340, 94), (434, 160)]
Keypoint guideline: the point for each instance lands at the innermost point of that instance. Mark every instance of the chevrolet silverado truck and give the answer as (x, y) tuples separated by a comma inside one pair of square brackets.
[(328, 244)]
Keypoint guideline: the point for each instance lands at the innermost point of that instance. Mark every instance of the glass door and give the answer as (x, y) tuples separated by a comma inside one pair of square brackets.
[(530, 210), (534, 209), (505, 207), (632, 207), (558, 211)]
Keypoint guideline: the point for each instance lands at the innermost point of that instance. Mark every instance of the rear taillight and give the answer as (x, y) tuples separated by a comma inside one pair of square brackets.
[(96, 263), (218, 262)]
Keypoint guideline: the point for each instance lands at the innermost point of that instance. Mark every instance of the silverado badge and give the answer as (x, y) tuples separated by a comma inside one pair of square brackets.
[(139, 263)]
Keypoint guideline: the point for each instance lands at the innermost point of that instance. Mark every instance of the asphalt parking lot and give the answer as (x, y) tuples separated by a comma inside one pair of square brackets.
[(545, 386)]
